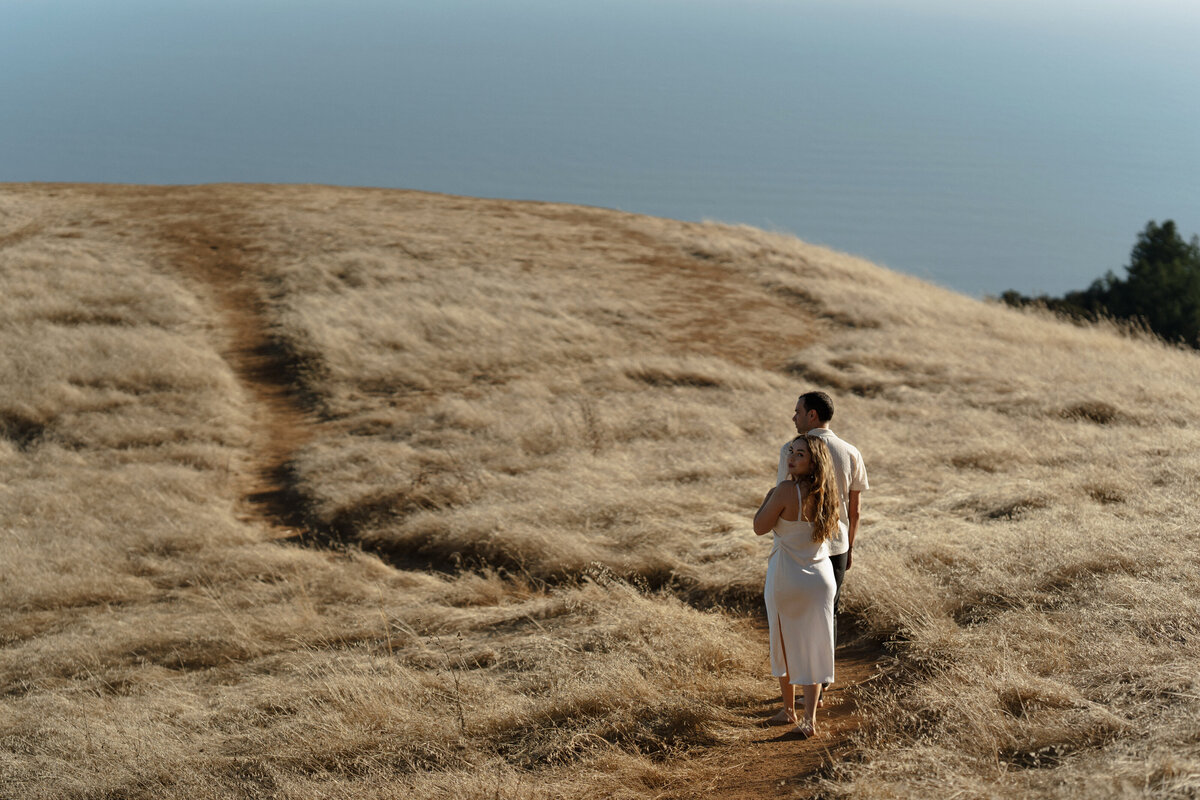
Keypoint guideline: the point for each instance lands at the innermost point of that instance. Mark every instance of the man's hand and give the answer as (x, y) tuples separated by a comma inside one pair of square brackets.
[(849, 557)]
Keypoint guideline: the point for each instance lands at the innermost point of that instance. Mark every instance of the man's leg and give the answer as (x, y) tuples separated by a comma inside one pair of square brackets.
[(839, 572)]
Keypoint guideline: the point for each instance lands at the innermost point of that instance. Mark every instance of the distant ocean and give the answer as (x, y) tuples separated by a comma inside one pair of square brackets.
[(1007, 144)]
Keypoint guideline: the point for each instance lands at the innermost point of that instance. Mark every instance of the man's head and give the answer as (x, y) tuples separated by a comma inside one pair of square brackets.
[(813, 410)]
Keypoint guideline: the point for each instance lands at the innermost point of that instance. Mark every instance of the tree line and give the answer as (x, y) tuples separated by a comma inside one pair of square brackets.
[(1161, 288)]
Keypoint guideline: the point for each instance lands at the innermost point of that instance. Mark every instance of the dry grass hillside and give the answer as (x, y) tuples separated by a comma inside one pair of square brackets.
[(347, 493)]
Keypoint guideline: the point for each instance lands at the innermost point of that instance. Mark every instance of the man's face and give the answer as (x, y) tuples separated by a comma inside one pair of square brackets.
[(803, 418)]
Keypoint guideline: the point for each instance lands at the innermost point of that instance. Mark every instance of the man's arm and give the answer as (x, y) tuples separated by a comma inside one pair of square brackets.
[(858, 483), (852, 524)]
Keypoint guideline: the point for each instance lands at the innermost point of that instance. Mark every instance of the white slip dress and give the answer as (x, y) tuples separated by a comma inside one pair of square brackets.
[(799, 593)]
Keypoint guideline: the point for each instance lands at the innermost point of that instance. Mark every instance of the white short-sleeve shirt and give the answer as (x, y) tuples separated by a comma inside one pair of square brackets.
[(851, 476)]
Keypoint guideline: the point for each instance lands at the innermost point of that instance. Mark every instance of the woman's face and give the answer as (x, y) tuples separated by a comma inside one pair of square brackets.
[(800, 459)]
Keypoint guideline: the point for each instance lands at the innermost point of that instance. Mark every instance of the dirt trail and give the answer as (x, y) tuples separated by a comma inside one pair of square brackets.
[(204, 244), (773, 762)]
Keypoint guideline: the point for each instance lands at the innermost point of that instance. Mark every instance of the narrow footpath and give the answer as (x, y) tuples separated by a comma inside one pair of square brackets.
[(201, 236), (774, 762)]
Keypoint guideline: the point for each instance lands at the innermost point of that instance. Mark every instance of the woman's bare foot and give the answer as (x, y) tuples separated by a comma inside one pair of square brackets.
[(785, 716), (806, 729)]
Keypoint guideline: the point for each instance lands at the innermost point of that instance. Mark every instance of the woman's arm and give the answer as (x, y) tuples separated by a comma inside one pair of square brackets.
[(772, 506)]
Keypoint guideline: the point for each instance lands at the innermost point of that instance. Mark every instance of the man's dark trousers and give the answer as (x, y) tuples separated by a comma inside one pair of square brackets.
[(839, 573)]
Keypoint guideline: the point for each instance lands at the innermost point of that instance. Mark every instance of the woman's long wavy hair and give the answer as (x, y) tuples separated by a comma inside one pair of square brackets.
[(823, 486)]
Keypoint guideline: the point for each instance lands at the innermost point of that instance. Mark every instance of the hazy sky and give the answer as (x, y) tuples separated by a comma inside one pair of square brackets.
[(984, 144)]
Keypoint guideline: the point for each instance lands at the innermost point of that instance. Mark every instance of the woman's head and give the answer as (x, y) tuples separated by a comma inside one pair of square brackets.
[(808, 458), (810, 464), (800, 459)]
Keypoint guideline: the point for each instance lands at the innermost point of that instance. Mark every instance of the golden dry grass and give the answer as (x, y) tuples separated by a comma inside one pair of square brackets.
[(534, 436)]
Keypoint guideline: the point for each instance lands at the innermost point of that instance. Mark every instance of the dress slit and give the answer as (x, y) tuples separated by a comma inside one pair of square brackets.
[(787, 673)]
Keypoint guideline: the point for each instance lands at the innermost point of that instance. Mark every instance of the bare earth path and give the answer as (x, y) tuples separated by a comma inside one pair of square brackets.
[(772, 762), (206, 244), (204, 240)]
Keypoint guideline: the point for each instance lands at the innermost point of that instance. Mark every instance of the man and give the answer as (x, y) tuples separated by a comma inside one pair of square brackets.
[(814, 410)]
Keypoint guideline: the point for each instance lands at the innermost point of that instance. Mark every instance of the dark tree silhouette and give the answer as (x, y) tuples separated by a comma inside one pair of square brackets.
[(1161, 288)]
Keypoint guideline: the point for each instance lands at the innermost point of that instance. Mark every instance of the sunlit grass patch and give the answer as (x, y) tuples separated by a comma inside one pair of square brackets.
[(521, 554)]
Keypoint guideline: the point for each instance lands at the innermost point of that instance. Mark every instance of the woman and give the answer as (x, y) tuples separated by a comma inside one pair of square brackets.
[(803, 513)]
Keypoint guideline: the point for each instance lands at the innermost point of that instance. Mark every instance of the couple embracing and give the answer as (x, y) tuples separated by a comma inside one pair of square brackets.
[(813, 513)]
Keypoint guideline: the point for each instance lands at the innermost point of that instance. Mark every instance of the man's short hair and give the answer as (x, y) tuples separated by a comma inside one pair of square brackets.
[(820, 403)]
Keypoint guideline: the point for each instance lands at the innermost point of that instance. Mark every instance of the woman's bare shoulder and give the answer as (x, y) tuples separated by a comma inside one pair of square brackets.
[(786, 492)]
